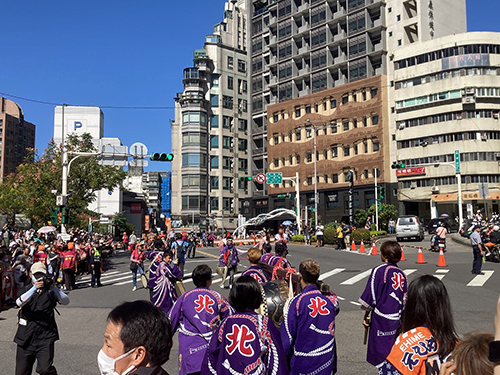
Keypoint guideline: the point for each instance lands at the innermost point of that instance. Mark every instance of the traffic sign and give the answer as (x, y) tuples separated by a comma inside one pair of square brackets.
[(457, 161), (274, 177), (260, 178)]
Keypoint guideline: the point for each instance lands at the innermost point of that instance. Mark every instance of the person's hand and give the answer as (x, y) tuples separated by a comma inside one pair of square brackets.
[(366, 323), (482, 253), (39, 283), (447, 368), (176, 261)]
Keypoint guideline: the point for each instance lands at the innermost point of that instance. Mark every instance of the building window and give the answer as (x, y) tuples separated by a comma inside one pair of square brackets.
[(366, 148), (226, 183), (242, 86), (309, 180), (214, 100), (390, 34), (335, 178), (230, 83), (298, 159), (334, 152), (375, 120), (308, 133), (398, 17), (298, 135), (214, 141), (308, 109), (194, 139), (214, 122), (230, 62), (226, 122), (345, 99), (399, 42), (297, 112), (227, 162), (309, 157), (214, 203), (194, 160), (227, 102), (214, 162), (275, 118), (194, 117), (333, 104), (227, 142), (214, 182), (194, 181), (242, 145), (374, 92), (215, 80), (347, 151), (346, 125), (242, 125), (227, 203), (276, 139), (355, 123), (376, 146), (242, 66)]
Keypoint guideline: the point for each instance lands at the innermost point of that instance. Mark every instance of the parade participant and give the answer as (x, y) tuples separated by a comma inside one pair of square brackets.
[(384, 297), (254, 269), (429, 334), (245, 340), (229, 258), (131, 344), (69, 267), (137, 263), (179, 248), (196, 315), (477, 250), (308, 329), (40, 255), (163, 273), (37, 329), (278, 260), (280, 241), (132, 241), (95, 265)]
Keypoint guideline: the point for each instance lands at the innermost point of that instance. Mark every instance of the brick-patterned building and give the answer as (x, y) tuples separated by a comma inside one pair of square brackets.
[(352, 135)]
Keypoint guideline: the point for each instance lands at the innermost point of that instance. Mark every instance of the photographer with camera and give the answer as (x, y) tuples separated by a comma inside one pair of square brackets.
[(37, 328)]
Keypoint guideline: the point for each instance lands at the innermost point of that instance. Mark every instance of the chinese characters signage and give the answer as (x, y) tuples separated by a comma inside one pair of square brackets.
[(410, 171), (463, 61)]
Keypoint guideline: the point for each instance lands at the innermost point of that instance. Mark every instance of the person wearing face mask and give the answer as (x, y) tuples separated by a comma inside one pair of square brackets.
[(129, 347), (37, 328)]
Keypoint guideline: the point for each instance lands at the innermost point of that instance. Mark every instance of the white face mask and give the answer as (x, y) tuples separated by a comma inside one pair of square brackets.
[(107, 364)]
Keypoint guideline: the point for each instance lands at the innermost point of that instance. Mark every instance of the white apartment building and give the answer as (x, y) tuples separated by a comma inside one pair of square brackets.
[(447, 98), (210, 132)]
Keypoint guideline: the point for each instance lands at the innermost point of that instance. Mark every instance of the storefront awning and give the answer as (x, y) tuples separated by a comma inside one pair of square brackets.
[(453, 197)]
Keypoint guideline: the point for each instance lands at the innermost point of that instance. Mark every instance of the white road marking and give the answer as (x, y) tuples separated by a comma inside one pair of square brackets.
[(358, 277), (107, 274), (355, 303), (442, 271), (480, 280), (331, 273), (341, 298), (410, 271), (440, 277), (107, 281)]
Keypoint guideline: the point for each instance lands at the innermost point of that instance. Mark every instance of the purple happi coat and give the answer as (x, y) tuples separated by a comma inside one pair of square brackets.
[(308, 332), (385, 296), (276, 259), (256, 273), (161, 279), (197, 314), (245, 343)]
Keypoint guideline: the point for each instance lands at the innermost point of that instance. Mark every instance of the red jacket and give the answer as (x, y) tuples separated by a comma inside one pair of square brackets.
[(68, 260)]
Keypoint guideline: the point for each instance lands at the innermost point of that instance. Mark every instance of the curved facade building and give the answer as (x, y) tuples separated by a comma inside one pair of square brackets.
[(447, 98)]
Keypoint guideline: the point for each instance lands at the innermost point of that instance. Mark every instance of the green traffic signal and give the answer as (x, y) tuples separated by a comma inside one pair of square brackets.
[(161, 156), (398, 165), (245, 178), (382, 192)]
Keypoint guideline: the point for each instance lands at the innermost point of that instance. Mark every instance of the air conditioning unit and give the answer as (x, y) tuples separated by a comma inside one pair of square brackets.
[(470, 90), (402, 125), (413, 185), (435, 189), (424, 144), (484, 137), (469, 100), (497, 155), (496, 115), (459, 115)]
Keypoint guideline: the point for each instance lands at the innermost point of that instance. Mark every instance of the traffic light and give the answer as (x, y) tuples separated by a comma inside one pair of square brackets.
[(53, 216), (245, 178), (398, 165), (161, 156), (381, 192), (65, 215)]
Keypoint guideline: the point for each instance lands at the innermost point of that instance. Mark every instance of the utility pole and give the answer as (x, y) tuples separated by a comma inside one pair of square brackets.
[(376, 199), (351, 191)]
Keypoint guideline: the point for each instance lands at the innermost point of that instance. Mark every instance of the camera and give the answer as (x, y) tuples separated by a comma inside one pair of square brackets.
[(48, 281)]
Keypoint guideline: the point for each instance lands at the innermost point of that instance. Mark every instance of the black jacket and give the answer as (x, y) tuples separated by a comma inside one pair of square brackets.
[(36, 321), (158, 370)]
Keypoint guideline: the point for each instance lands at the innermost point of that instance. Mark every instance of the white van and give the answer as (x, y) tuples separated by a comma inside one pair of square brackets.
[(409, 226)]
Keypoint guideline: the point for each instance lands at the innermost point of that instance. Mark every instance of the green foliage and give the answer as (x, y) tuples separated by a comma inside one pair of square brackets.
[(313, 220), (332, 225), (360, 234), (28, 191), (122, 225), (313, 239), (298, 238), (360, 217), (387, 211), (330, 236)]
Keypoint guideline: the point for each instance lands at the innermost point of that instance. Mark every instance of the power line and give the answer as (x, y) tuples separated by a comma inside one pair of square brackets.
[(82, 105)]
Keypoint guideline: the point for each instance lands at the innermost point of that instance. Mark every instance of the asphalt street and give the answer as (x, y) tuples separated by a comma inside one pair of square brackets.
[(83, 321)]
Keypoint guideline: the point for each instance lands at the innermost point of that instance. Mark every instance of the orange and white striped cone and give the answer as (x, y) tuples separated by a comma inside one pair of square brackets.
[(441, 261), (402, 254), (420, 258), (374, 249), (362, 248), (353, 246)]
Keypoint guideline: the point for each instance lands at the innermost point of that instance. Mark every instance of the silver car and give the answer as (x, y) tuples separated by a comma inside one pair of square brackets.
[(409, 226)]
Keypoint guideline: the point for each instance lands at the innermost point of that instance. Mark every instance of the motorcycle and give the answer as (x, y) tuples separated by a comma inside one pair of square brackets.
[(438, 244)]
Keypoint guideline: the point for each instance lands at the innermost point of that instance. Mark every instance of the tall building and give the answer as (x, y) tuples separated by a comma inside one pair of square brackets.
[(17, 137), (210, 131), (447, 99), (79, 120), (303, 47)]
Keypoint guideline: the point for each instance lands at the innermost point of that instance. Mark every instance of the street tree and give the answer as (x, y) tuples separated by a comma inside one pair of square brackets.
[(28, 191), (387, 211)]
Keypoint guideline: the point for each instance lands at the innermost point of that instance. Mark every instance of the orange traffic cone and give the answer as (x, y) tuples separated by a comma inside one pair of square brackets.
[(241, 243), (420, 258), (362, 248), (374, 249), (441, 261), (353, 246), (202, 245), (402, 254)]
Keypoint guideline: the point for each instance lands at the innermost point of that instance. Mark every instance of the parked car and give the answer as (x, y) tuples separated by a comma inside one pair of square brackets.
[(450, 224), (409, 226)]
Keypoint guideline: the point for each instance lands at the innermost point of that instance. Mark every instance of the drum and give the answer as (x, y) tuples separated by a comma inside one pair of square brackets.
[(274, 297)]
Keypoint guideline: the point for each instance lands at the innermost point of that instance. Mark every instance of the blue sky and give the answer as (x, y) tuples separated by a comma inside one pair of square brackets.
[(118, 53)]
